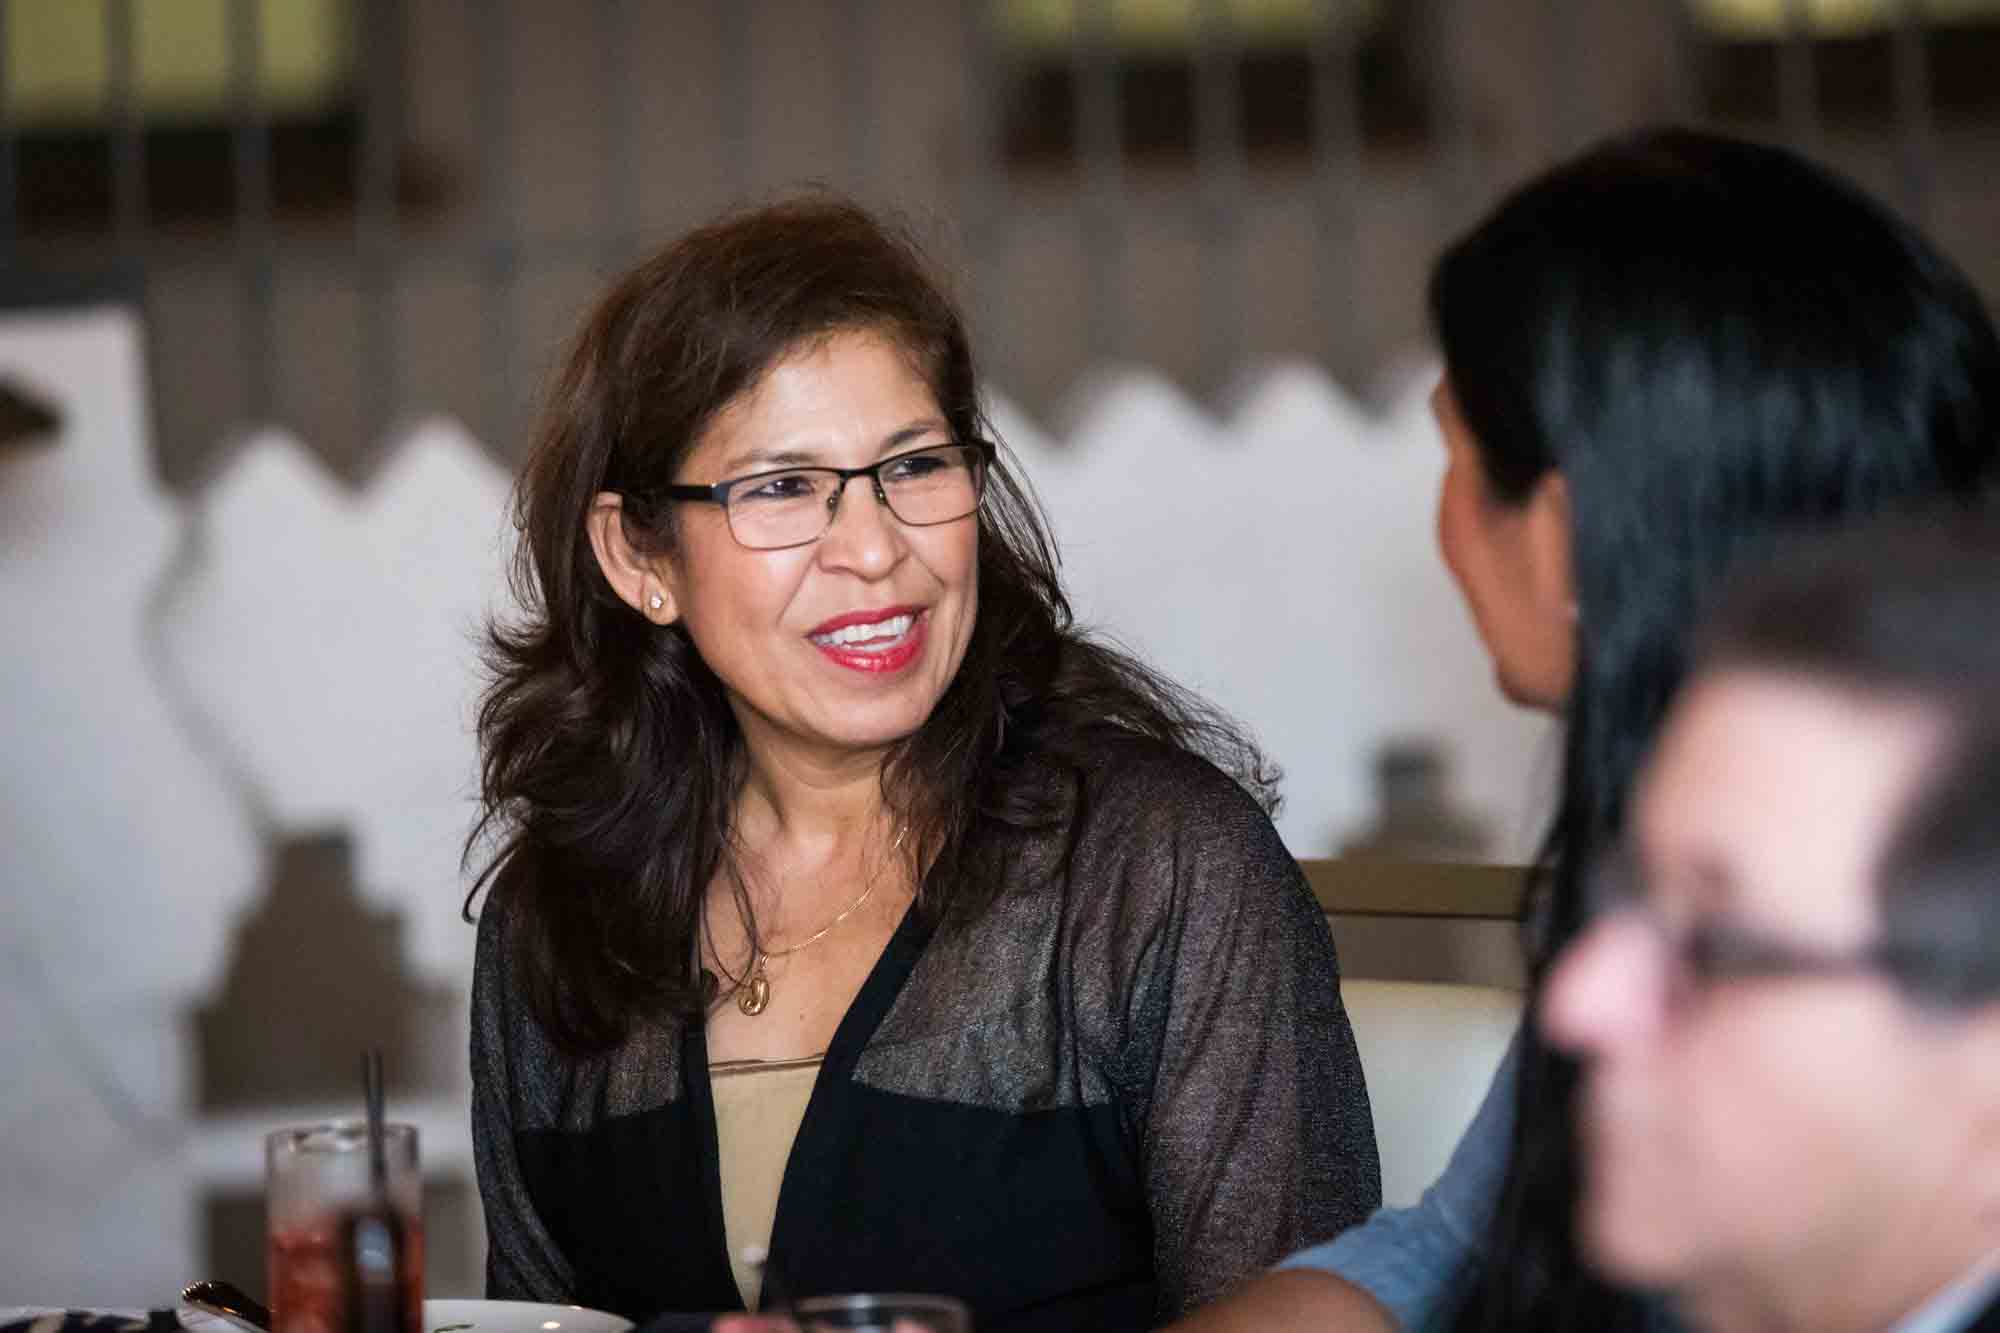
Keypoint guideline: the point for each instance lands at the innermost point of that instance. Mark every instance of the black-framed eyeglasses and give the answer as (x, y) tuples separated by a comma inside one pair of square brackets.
[(1705, 954), (768, 511)]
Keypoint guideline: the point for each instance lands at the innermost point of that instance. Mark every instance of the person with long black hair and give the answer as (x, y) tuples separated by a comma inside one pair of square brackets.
[(1660, 358)]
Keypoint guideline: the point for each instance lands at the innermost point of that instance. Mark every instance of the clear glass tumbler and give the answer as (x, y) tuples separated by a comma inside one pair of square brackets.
[(883, 1314), (317, 1193)]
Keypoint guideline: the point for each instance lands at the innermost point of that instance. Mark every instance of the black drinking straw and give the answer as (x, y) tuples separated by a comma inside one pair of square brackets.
[(378, 1159), (372, 1238)]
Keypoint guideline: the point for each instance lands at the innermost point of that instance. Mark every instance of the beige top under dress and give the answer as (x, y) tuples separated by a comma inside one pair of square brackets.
[(758, 1107)]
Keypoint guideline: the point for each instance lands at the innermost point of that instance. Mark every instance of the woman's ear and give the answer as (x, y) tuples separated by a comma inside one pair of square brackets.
[(1550, 555), (1551, 575), (640, 581)]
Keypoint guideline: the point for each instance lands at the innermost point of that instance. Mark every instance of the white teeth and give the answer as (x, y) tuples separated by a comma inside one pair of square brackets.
[(895, 627)]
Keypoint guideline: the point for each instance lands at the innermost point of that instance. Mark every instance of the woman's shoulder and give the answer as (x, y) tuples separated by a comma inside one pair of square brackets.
[(1139, 782), (487, 911), (547, 1083), (1161, 832), (1174, 871), (500, 1002), (1116, 753), (497, 937)]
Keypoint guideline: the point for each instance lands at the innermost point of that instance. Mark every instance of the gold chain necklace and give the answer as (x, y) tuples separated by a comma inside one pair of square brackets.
[(754, 995)]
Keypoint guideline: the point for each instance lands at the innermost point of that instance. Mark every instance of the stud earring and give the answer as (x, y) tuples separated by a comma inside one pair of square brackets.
[(656, 601)]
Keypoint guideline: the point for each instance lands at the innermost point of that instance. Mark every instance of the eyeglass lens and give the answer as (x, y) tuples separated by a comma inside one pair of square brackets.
[(793, 507), (1703, 953)]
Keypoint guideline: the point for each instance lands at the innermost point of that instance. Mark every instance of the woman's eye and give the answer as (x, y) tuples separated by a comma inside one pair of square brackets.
[(915, 467), (783, 486)]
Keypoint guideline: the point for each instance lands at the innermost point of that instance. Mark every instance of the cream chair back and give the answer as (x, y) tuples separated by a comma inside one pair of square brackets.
[(1429, 1050)]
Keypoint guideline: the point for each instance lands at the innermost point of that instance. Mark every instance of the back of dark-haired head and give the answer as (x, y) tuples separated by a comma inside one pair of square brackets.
[(1715, 343), (1908, 610), (610, 756)]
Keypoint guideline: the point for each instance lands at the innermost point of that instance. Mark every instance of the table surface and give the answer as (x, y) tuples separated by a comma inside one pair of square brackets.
[(45, 1319), (50, 1319)]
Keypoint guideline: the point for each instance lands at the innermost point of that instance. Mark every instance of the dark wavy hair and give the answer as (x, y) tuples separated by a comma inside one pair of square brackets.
[(1715, 343), (611, 760)]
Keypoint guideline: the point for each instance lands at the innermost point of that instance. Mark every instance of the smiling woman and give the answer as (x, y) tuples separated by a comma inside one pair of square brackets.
[(856, 923)]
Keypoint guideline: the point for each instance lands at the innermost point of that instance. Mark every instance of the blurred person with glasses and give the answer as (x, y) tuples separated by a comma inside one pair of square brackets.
[(857, 923), (1786, 1003), (1661, 358)]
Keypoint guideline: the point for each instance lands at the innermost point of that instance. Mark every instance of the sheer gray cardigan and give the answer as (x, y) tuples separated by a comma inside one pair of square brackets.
[(1122, 1087)]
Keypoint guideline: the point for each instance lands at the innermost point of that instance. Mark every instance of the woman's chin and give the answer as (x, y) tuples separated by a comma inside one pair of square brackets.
[(869, 732), (1528, 692)]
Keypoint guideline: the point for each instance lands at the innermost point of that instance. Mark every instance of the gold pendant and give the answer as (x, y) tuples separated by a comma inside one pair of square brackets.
[(756, 993)]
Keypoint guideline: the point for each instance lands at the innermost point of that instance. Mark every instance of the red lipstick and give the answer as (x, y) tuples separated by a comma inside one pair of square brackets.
[(879, 654)]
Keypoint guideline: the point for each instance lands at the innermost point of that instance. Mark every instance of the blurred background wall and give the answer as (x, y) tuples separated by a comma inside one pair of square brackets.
[(280, 279)]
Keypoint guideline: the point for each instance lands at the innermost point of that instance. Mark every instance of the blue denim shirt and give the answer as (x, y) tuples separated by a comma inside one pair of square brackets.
[(1410, 1259)]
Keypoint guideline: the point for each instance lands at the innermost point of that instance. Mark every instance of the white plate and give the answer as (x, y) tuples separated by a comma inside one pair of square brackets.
[(456, 1317), (517, 1317)]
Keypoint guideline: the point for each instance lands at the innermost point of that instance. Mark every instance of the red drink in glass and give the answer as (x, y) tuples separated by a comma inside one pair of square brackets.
[(317, 1183), (308, 1277)]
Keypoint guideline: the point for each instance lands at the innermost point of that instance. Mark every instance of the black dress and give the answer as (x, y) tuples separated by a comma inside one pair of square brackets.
[(1124, 1086)]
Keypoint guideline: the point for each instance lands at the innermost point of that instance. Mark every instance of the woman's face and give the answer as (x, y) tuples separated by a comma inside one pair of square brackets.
[(1511, 563), (845, 644)]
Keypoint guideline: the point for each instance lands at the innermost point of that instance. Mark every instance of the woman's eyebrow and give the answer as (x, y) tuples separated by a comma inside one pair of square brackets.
[(916, 430), (763, 457), (759, 459)]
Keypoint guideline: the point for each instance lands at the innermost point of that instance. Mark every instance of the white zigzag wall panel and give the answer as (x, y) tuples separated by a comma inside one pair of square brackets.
[(122, 852), (1280, 559)]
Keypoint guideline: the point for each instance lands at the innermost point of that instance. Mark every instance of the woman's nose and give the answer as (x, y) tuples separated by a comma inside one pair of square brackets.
[(863, 534)]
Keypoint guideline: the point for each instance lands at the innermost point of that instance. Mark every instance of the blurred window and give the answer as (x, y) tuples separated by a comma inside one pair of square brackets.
[(1156, 51), (60, 69), (1853, 47), (68, 96)]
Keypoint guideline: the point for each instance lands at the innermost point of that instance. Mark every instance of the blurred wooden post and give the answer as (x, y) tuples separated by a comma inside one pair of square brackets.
[(1422, 920)]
